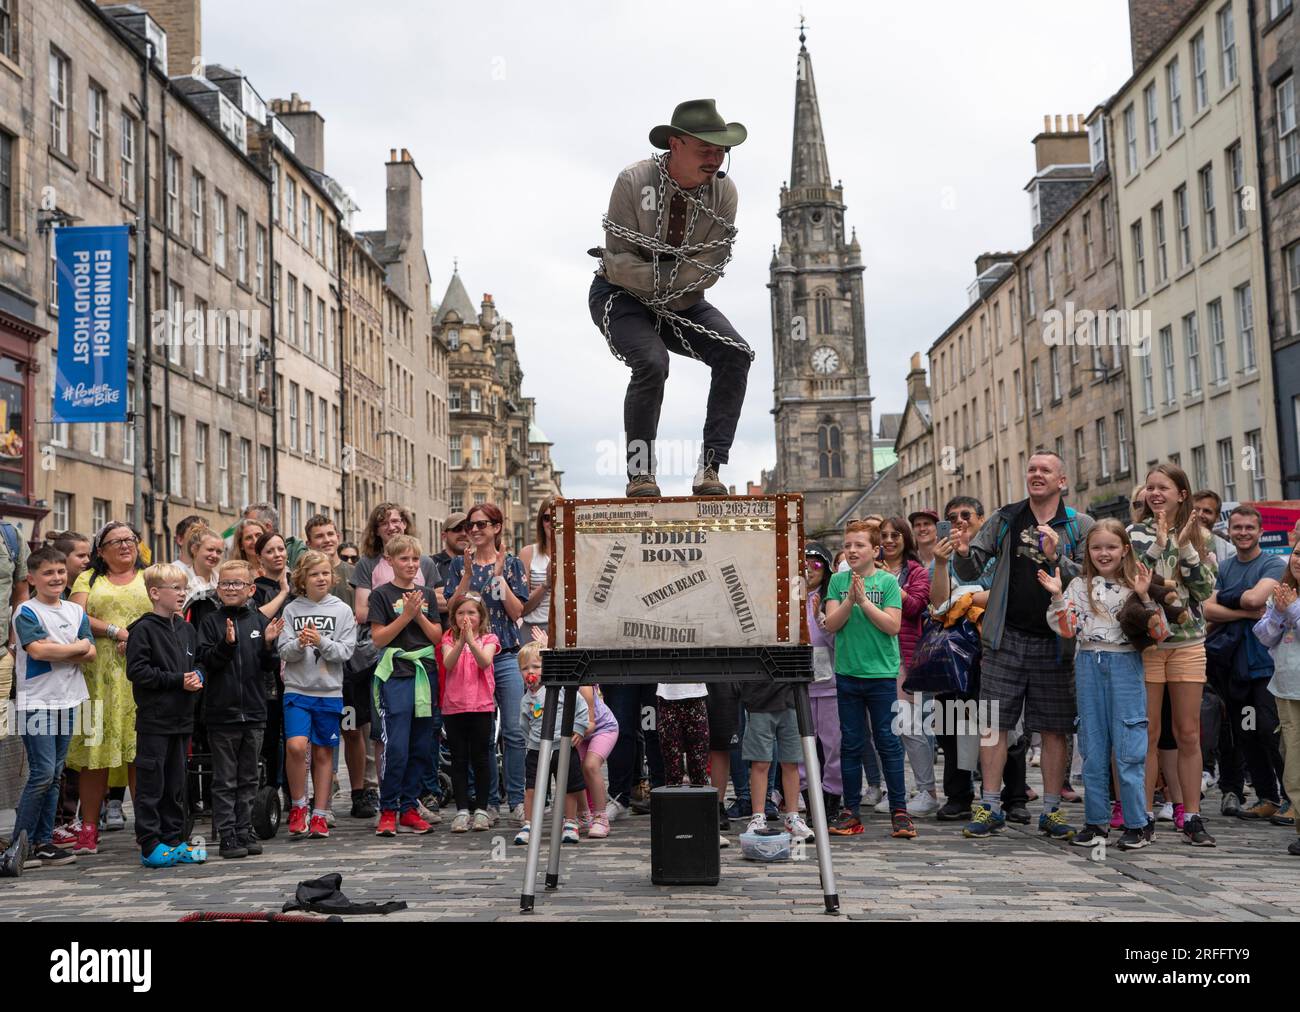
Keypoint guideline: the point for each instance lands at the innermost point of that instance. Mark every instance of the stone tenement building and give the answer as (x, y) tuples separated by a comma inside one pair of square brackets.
[(76, 148), (914, 446), (415, 371), (819, 341), (1078, 347), (1275, 58), (361, 277), (489, 421), (1182, 150)]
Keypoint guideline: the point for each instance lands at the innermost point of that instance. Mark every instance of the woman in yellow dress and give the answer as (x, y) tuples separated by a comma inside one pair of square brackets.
[(112, 591)]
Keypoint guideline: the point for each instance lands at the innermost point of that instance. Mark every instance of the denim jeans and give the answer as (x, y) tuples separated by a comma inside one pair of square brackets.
[(626, 702), (46, 734), (857, 697), (645, 349), (509, 695), (1111, 695)]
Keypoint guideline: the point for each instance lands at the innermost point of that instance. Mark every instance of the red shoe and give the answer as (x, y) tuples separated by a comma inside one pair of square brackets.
[(410, 822), (320, 829), (387, 824), (87, 839), (65, 836), (298, 820)]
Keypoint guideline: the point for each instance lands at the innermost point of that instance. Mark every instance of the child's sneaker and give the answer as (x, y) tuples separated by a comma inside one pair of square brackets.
[(87, 839), (387, 824), (901, 826), (481, 822), (797, 827), (65, 836), (232, 848), (162, 856), (1180, 816), (845, 824), (1194, 832), (600, 828), (461, 823), (585, 821), (1116, 815), (187, 853), (410, 822), (1166, 812), (298, 816), (570, 832), (114, 817), (757, 823), (318, 828), (521, 837), (430, 815), (48, 856)]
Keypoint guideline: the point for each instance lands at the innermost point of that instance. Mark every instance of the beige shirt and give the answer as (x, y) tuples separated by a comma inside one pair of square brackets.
[(633, 205)]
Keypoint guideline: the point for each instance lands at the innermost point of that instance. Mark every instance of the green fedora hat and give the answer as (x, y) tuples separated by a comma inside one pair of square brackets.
[(699, 118)]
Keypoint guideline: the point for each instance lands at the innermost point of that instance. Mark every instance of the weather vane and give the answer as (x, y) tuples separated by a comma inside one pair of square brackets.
[(802, 38)]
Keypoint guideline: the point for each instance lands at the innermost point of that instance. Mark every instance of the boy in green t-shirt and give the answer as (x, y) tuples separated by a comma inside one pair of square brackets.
[(864, 608)]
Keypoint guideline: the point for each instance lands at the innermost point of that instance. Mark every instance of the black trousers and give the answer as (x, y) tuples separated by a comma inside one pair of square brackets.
[(1252, 724), (469, 736), (160, 790), (235, 751), (959, 784), (632, 330)]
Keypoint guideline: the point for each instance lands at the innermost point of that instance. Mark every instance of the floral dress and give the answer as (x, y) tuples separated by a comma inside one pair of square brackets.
[(111, 705)]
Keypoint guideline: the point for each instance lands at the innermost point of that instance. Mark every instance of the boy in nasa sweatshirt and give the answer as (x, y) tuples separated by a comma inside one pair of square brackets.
[(319, 636)]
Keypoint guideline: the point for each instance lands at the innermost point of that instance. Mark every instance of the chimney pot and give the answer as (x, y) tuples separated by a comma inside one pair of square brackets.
[(406, 155), (1047, 124), (1058, 122), (392, 154), (1069, 122)]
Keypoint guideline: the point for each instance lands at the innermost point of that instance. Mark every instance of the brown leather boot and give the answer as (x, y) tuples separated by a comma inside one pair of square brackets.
[(707, 482), (642, 486)]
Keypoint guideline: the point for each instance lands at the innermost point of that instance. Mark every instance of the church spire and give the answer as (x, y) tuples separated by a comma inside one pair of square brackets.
[(808, 165)]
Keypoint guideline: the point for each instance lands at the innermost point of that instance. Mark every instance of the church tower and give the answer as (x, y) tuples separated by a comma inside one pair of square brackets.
[(819, 336)]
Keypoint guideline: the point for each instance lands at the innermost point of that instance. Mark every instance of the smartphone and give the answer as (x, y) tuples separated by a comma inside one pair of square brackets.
[(944, 529)]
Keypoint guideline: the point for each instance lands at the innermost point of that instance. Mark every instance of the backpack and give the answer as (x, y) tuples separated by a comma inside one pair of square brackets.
[(10, 534), (1068, 544)]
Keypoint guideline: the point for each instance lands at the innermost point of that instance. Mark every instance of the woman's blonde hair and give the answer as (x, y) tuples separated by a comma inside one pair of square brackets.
[(308, 561), (1127, 566)]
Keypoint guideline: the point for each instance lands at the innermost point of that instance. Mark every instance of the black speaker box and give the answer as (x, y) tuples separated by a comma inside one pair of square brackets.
[(684, 836)]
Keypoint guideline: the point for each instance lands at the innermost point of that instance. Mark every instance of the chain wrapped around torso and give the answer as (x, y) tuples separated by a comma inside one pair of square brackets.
[(686, 252)]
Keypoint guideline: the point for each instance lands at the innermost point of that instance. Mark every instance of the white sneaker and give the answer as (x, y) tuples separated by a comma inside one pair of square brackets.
[(460, 824), (114, 817), (428, 815), (723, 842), (871, 796), (517, 814), (493, 814), (757, 823), (1035, 756), (796, 827), (1207, 781), (1166, 814), (922, 803), (521, 837), (570, 834), (481, 821), (615, 810), (329, 818)]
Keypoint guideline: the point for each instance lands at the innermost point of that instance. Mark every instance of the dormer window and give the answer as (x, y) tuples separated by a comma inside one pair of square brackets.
[(1035, 211), (453, 339)]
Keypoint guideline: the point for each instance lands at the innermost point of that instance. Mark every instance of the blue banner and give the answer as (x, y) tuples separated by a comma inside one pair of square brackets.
[(90, 383)]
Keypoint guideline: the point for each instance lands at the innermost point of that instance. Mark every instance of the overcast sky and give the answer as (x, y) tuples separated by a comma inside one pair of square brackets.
[(521, 114)]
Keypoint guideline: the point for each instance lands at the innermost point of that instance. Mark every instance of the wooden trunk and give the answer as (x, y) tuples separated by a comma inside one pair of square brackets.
[(681, 572)]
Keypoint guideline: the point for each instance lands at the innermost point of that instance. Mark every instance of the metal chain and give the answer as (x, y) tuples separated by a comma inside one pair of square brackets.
[(685, 253)]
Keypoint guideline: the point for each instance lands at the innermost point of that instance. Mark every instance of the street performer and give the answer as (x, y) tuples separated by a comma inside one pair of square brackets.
[(668, 236)]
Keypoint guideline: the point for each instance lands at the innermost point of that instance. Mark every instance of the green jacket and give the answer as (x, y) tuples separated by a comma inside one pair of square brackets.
[(1193, 577)]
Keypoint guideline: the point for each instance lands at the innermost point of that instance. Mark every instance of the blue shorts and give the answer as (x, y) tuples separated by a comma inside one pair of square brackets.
[(313, 717)]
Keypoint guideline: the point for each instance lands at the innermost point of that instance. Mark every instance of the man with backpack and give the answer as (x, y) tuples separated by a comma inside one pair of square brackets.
[(1025, 666)]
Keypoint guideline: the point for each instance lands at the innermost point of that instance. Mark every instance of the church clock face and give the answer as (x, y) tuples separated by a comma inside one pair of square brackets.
[(825, 360)]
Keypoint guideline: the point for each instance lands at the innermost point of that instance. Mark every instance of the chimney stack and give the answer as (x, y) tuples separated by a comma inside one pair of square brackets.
[(1152, 23), (182, 20), (916, 386), (307, 127)]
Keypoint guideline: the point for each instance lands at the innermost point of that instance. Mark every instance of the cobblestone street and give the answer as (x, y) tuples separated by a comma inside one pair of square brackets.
[(939, 876)]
